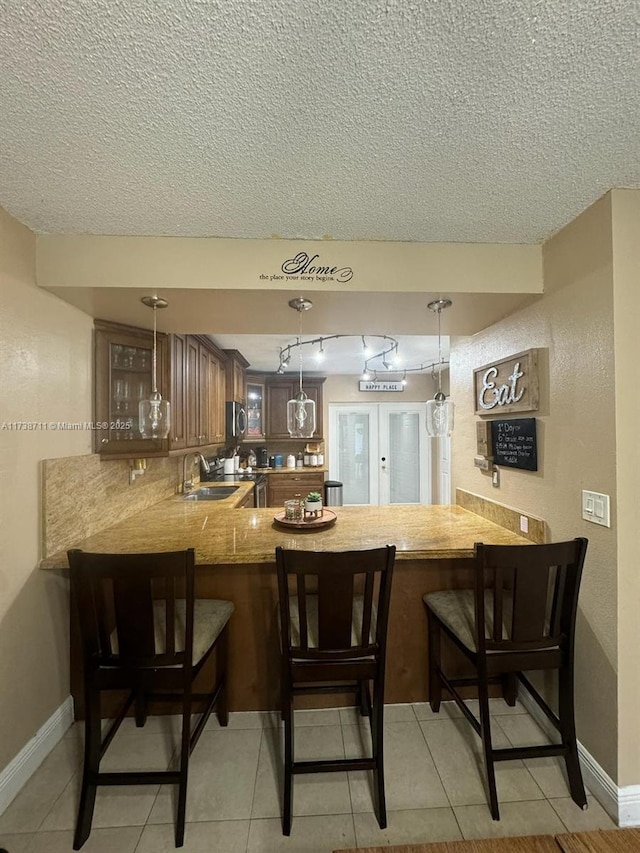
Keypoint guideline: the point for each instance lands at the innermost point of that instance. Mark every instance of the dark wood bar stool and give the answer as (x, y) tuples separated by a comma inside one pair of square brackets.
[(334, 610), (520, 617), (143, 630)]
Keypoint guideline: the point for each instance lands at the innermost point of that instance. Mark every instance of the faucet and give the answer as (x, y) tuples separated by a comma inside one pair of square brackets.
[(187, 484)]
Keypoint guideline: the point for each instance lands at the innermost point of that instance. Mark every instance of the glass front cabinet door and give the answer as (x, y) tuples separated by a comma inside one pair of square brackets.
[(255, 410), (123, 377)]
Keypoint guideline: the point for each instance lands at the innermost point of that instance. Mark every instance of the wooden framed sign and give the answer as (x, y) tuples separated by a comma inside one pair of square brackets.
[(380, 385), (506, 386), (515, 443)]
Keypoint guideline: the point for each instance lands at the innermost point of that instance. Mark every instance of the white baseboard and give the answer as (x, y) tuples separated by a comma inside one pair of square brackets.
[(31, 756), (621, 804)]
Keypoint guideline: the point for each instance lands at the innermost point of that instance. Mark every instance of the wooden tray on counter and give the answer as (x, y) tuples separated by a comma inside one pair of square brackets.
[(327, 518)]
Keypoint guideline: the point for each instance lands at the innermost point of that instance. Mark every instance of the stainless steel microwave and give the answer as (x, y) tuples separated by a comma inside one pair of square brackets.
[(236, 420)]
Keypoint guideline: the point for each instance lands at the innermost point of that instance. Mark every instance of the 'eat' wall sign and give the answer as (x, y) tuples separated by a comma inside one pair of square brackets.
[(509, 385)]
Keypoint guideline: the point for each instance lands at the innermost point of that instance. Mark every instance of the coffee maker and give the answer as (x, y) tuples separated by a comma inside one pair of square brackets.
[(262, 457)]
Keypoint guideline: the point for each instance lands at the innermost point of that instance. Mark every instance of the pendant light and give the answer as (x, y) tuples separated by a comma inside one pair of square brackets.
[(154, 418), (439, 410), (301, 411)]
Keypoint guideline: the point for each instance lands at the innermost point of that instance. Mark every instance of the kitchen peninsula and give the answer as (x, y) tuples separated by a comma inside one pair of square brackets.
[(235, 555)]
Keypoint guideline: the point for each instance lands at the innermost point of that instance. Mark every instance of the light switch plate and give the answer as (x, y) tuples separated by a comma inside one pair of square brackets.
[(595, 508)]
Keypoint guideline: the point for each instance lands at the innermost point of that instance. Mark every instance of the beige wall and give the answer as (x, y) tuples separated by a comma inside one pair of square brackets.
[(573, 324), (45, 364), (626, 321)]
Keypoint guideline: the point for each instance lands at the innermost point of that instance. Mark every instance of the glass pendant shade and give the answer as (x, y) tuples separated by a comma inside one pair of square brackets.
[(439, 410), (439, 416), (154, 416), (301, 416)]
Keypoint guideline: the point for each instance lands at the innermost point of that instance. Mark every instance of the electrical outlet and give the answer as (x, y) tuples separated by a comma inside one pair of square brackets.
[(524, 524), (596, 508)]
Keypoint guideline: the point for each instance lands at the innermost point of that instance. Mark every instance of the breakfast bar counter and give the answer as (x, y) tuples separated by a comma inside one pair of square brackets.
[(236, 561), (221, 534)]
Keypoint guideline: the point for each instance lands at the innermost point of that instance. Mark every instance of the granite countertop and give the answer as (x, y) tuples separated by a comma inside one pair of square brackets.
[(222, 534)]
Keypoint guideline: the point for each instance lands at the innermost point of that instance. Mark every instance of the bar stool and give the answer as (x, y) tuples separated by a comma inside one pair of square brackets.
[(520, 617), (143, 630), (333, 627)]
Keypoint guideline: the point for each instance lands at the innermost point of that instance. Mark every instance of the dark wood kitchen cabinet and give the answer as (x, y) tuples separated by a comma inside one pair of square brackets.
[(236, 365), (198, 386), (123, 377), (283, 487), (279, 390)]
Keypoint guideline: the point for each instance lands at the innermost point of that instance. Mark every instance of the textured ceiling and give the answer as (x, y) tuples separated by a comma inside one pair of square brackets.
[(488, 120)]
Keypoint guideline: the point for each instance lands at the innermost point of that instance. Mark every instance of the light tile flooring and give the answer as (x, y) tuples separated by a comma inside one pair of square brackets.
[(434, 783)]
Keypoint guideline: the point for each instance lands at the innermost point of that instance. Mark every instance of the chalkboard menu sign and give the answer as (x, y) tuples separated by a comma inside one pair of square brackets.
[(514, 443)]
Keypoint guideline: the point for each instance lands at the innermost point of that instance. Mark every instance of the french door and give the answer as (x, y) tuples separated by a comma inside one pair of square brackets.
[(380, 452)]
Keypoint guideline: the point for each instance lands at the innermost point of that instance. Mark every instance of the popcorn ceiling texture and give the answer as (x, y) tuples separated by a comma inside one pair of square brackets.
[(391, 119)]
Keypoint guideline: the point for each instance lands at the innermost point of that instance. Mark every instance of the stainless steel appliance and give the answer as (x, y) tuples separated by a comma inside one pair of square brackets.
[(259, 480), (236, 420), (262, 457)]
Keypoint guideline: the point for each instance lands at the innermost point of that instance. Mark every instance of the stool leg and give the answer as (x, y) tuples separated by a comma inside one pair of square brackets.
[(222, 654), (435, 683), (485, 733), (510, 688), (140, 707), (566, 715), (92, 745), (377, 739), (364, 699), (185, 749), (287, 807)]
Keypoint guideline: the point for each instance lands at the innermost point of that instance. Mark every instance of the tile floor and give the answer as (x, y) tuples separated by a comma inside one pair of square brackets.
[(434, 782)]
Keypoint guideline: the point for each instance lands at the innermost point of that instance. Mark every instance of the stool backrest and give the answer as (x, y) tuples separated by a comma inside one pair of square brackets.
[(127, 608), (334, 604), (535, 594)]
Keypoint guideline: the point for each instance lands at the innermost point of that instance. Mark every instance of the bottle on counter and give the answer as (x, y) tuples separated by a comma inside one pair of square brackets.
[(299, 460), (313, 460), (291, 461), (320, 459), (306, 460)]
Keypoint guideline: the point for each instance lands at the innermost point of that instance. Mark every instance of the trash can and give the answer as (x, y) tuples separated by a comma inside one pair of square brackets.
[(332, 493)]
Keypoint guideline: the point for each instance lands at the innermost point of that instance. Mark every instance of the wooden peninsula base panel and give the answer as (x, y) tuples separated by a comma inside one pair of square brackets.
[(235, 553)]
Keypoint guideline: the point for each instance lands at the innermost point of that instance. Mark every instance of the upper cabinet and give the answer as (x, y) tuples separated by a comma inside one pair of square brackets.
[(236, 376), (191, 374), (198, 392), (123, 377), (279, 390), (255, 409)]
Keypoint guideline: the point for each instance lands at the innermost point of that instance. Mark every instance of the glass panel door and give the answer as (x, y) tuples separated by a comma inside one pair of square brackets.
[(130, 382), (404, 463), (255, 403), (353, 452), (380, 453)]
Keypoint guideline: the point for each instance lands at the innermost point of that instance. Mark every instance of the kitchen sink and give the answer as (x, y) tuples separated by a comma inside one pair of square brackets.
[(209, 494)]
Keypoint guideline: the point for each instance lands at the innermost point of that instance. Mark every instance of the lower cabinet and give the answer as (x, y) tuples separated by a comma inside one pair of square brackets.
[(283, 487)]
